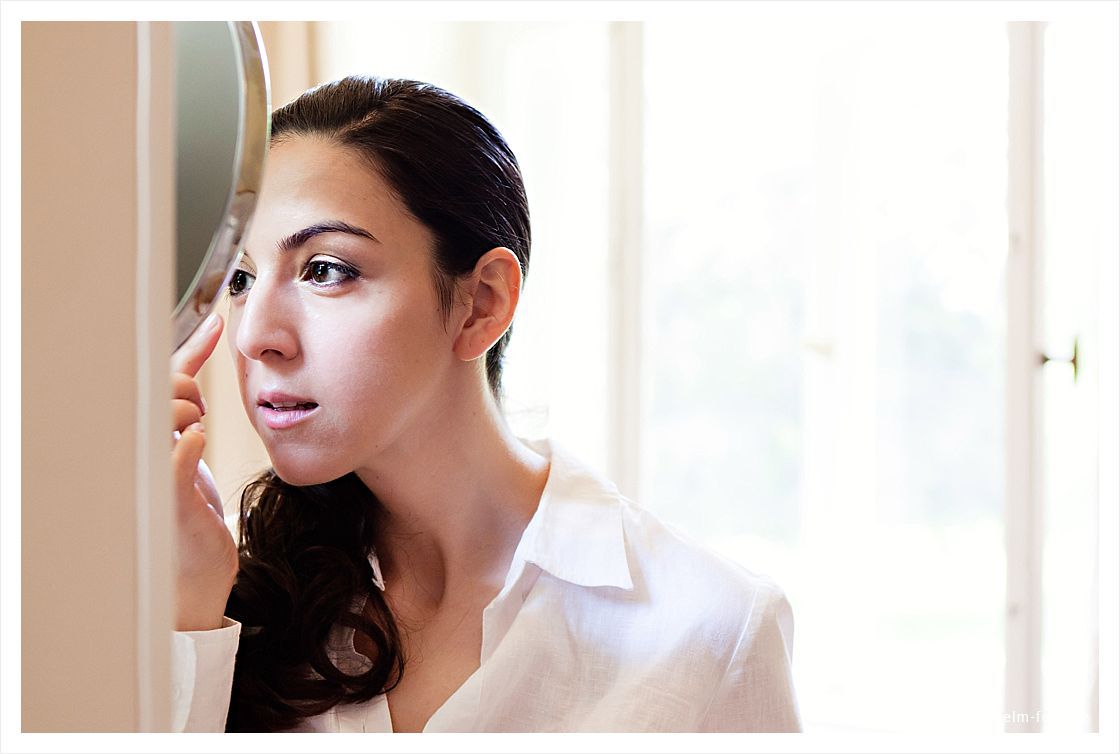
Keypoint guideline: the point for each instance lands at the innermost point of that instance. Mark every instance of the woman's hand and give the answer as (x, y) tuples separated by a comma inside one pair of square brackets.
[(207, 565)]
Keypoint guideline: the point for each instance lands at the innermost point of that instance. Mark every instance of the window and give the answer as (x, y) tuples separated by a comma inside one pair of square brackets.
[(826, 236)]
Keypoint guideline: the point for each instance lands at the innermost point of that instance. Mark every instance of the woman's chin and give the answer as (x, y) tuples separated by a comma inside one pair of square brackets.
[(300, 473)]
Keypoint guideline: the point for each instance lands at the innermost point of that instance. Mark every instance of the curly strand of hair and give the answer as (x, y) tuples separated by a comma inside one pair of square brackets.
[(304, 568)]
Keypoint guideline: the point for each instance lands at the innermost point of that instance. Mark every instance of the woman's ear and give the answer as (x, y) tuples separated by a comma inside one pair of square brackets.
[(491, 294)]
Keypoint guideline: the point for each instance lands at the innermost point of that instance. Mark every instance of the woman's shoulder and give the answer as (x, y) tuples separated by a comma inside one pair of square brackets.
[(669, 565), (590, 534)]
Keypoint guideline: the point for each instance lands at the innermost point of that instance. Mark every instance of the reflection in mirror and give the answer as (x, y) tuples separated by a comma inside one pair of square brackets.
[(207, 114), (223, 122)]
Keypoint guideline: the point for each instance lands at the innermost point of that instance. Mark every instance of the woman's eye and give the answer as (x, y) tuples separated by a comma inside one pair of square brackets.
[(328, 273), (240, 282)]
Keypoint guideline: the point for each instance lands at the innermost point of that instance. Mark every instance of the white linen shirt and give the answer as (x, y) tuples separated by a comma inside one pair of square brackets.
[(609, 621)]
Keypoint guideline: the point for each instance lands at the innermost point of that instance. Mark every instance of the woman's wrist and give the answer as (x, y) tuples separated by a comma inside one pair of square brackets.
[(199, 622), (194, 615)]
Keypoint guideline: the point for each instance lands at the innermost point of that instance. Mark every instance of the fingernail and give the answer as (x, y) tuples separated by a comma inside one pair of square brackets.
[(210, 323), (203, 401), (197, 427)]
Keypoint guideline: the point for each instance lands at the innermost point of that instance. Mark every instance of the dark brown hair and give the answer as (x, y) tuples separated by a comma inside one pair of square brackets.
[(304, 567)]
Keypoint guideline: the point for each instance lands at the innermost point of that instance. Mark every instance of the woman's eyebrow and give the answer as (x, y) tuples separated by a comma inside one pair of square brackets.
[(300, 237)]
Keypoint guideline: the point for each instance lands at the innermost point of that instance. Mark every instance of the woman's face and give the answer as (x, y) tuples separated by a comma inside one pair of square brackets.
[(323, 315)]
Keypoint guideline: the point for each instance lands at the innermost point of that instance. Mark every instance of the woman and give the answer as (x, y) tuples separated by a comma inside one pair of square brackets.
[(408, 563)]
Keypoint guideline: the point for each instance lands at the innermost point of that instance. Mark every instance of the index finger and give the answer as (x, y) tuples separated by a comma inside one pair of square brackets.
[(190, 357)]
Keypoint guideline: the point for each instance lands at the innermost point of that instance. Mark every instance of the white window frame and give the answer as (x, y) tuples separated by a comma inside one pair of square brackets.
[(1023, 499), (626, 179)]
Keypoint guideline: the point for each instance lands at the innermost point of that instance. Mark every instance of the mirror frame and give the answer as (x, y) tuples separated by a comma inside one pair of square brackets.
[(255, 128)]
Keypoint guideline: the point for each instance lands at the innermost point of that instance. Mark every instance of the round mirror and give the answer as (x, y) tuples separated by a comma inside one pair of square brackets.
[(223, 116)]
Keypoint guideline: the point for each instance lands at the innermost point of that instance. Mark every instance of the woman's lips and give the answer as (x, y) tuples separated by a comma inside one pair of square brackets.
[(284, 417), (280, 409)]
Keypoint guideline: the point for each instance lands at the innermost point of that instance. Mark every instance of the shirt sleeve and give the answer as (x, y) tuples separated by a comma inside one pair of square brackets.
[(756, 694), (202, 677)]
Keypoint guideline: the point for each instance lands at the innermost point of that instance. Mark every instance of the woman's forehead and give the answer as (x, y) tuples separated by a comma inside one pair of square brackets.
[(307, 164), (310, 180)]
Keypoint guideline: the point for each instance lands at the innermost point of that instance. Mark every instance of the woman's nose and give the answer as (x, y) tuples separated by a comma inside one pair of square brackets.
[(266, 329)]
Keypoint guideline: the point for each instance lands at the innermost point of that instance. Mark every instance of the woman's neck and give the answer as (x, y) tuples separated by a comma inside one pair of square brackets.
[(458, 493)]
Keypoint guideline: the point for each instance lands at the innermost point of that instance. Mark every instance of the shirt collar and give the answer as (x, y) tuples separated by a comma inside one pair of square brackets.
[(575, 533)]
